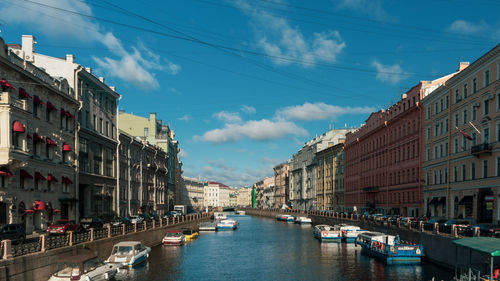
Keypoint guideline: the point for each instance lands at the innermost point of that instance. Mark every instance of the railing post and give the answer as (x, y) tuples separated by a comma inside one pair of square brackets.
[(135, 226), (436, 228), (454, 230), (70, 239), (154, 223), (123, 229), (43, 238), (409, 224), (91, 234), (421, 226), (109, 230), (476, 232), (183, 218), (144, 225), (161, 222), (7, 251), (398, 222)]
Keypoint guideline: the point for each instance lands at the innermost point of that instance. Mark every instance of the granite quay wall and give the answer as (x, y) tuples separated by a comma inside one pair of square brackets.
[(437, 241), (40, 261)]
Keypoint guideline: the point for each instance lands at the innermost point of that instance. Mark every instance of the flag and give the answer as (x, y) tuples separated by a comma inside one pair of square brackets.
[(464, 134)]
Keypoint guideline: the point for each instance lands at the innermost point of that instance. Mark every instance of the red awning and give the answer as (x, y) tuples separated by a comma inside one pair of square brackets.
[(4, 172), (50, 142), (50, 177), (4, 83), (66, 180), (25, 174), (18, 127), (37, 137), (39, 176), (39, 205), (69, 115), (56, 211), (29, 211), (63, 112), (50, 106), (66, 147), (23, 94), (37, 100)]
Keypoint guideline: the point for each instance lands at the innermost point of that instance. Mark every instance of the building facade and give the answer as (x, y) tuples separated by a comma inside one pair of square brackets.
[(37, 141), (211, 194), (281, 178), (461, 162), (330, 181), (263, 193), (244, 197), (195, 193)]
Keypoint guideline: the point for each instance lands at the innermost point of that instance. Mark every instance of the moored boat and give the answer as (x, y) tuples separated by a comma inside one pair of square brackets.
[(84, 267), (326, 233), (174, 237), (220, 216), (287, 218), (190, 234), (302, 220), (240, 213), (207, 226), (227, 225), (129, 253), (389, 248), (349, 232)]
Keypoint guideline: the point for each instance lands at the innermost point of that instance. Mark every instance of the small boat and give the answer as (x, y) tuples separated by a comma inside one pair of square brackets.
[(129, 253), (326, 233), (227, 225), (84, 267), (304, 220), (287, 218), (389, 248), (240, 213), (349, 232), (190, 234), (219, 216), (207, 226), (174, 237)]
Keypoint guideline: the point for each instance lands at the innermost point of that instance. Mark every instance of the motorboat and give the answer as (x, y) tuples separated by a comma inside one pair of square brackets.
[(220, 216), (129, 253), (327, 233), (287, 218), (389, 248), (240, 213), (84, 267), (304, 220), (349, 232), (174, 237), (207, 226), (227, 224), (190, 234)]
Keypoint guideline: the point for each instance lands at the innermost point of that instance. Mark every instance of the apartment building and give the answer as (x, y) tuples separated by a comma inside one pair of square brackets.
[(330, 181), (281, 177)]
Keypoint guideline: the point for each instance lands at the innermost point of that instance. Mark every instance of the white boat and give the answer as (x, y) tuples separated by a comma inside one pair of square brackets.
[(174, 237), (327, 233), (84, 267), (241, 213), (129, 253), (207, 226), (227, 225), (304, 220), (349, 232), (220, 216), (287, 218), (389, 248)]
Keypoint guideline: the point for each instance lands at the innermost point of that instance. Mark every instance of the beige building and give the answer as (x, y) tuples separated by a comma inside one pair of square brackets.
[(224, 192), (37, 141), (195, 193), (281, 177), (244, 197), (330, 181), (264, 192), (461, 166), (211, 194)]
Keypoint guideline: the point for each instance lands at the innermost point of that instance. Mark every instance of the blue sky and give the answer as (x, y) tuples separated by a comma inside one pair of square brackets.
[(245, 83)]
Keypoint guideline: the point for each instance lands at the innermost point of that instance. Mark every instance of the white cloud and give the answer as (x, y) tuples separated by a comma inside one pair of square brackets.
[(248, 109), (279, 39), (371, 8), (389, 73), (183, 154), (259, 130), (135, 65), (319, 111), (465, 27), (228, 117), (186, 118)]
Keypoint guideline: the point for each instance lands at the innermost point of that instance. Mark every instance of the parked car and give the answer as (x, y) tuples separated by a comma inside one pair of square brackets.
[(14, 232), (432, 221), (376, 217), (405, 221), (172, 214), (92, 222), (484, 230), (62, 226), (461, 225), (146, 217), (136, 219), (118, 221)]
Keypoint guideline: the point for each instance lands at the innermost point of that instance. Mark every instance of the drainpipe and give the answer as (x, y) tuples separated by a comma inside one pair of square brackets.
[(117, 158), (141, 187), (155, 181), (77, 147), (129, 191)]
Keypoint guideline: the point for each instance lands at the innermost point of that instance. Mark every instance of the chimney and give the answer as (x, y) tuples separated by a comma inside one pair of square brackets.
[(88, 69), (28, 46), (113, 88), (70, 58), (101, 79), (152, 116), (463, 65)]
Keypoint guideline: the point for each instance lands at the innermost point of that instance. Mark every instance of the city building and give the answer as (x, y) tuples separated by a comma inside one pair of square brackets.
[(303, 169), (37, 142), (461, 157), (330, 181), (211, 194), (264, 193), (97, 131), (382, 158), (281, 178), (224, 192), (244, 197), (195, 193)]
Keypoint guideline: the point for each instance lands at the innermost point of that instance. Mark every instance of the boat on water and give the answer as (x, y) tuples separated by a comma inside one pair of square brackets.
[(174, 237), (327, 233), (302, 220), (349, 232), (190, 234), (227, 225), (207, 226), (129, 253), (240, 213), (85, 267), (220, 216), (389, 248), (287, 218)]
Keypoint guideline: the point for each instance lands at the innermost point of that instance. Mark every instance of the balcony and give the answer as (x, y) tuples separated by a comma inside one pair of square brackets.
[(480, 149)]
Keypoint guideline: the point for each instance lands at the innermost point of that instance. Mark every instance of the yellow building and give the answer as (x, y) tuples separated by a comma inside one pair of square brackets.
[(330, 178)]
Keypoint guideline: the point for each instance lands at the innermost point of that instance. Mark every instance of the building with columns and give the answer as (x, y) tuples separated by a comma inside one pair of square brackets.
[(330, 181), (195, 193)]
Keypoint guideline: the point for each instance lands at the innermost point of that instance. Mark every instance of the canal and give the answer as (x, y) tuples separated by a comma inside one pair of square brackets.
[(264, 249)]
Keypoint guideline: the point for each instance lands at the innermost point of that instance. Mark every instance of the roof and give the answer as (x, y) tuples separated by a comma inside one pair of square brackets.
[(488, 245)]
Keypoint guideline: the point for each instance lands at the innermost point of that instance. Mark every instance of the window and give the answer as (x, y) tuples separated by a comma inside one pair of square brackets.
[(457, 96), (474, 113), (463, 172), (474, 138), (97, 158), (456, 119), (83, 156), (464, 142), (486, 135), (441, 105), (486, 109), (47, 114), (87, 119), (498, 166), (447, 124), (498, 132), (447, 101), (455, 174), (428, 155), (428, 115), (428, 133), (445, 175), (473, 171), (465, 91), (146, 132), (464, 121), (486, 78), (109, 162), (456, 145), (474, 85), (107, 129), (485, 168), (100, 125), (95, 122), (435, 108)]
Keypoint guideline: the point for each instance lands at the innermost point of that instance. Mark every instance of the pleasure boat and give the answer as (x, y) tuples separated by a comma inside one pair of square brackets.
[(240, 213), (174, 237), (207, 226), (219, 216), (287, 218), (349, 232), (389, 248), (326, 233), (302, 220), (190, 234), (227, 225), (129, 253), (84, 267)]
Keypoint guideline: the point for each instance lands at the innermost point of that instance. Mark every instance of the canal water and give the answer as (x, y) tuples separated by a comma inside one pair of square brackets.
[(264, 249)]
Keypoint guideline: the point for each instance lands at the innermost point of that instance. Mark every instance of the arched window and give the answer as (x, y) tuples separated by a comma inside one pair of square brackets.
[(18, 130)]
